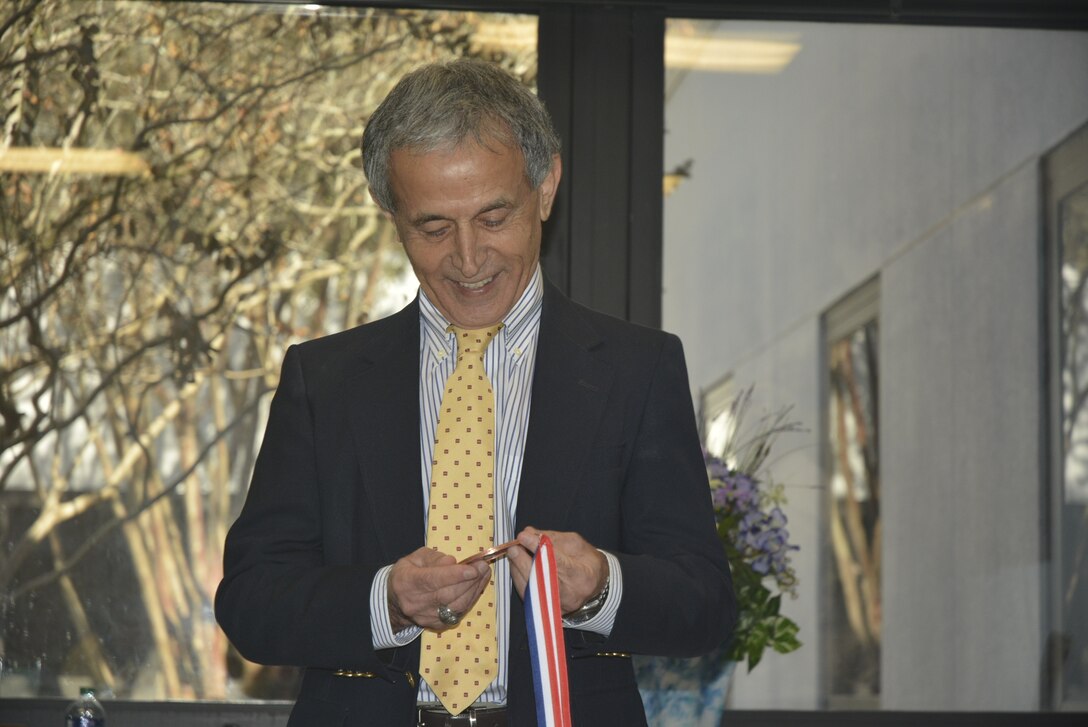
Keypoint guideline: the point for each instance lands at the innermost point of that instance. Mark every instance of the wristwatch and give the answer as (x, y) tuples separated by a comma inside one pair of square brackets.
[(590, 608)]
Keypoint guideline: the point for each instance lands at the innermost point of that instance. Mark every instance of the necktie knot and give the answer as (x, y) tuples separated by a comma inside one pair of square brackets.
[(473, 341)]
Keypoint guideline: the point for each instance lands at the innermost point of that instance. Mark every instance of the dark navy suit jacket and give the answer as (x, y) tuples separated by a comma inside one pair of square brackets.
[(612, 453)]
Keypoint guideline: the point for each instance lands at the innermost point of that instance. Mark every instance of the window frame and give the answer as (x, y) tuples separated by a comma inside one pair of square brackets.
[(852, 312), (1064, 170)]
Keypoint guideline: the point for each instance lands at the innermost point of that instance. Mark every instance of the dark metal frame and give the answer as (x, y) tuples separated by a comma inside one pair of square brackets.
[(1054, 14), (42, 712), (602, 77)]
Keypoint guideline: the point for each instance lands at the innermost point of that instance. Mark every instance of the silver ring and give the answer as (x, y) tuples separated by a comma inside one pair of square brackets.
[(448, 616)]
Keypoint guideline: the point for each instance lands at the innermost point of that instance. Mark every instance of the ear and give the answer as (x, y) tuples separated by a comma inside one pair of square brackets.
[(549, 187)]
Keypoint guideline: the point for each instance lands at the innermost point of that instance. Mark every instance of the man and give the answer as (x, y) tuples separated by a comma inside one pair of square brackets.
[(332, 563)]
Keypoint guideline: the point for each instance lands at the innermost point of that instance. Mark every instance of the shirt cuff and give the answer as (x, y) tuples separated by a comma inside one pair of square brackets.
[(604, 619), (381, 632)]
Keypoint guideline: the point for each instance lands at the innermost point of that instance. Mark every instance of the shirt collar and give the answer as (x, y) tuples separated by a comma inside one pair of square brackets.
[(520, 324)]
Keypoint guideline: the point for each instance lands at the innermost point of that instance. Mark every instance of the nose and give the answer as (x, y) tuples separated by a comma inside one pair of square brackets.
[(468, 254)]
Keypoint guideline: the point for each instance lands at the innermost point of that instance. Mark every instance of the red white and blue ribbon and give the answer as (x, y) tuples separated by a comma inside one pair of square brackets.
[(544, 621)]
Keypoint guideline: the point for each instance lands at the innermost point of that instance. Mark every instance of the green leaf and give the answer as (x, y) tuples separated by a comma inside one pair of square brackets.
[(785, 644), (786, 627)]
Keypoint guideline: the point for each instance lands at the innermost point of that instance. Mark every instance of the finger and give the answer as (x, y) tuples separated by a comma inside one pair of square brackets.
[(461, 600), (418, 590), (529, 538), (425, 557), (436, 579), (469, 598), (520, 564), (461, 596)]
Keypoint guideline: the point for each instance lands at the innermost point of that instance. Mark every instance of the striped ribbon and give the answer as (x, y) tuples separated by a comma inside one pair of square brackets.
[(544, 621)]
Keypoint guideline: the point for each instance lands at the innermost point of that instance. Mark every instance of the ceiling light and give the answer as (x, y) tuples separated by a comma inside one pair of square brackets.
[(730, 53)]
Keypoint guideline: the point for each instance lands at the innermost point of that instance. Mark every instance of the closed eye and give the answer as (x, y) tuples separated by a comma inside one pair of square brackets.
[(435, 233), (496, 215)]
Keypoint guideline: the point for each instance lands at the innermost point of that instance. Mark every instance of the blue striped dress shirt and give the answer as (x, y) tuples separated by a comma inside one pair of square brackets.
[(509, 362)]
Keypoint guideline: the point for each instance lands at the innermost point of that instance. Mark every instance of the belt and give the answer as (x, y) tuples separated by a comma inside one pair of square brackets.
[(437, 716)]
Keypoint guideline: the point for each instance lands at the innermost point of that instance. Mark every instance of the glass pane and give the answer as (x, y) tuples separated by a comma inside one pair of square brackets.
[(853, 635), (180, 199), (1073, 583), (802, 160)]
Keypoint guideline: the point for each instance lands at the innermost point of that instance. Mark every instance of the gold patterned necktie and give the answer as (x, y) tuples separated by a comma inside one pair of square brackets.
[(461, 662)]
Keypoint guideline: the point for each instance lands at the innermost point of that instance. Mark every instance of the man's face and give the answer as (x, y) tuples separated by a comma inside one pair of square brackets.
[(470, 224)]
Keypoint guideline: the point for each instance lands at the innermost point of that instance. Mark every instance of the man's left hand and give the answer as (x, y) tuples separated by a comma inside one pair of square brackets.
[(583, 570)]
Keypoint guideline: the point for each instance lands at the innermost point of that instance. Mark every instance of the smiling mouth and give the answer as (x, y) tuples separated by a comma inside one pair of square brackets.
[(477, 286)]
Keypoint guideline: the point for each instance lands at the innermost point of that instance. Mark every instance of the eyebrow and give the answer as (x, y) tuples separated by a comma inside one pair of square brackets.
[(424, 219)]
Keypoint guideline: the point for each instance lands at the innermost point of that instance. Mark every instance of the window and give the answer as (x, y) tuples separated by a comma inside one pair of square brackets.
[(1067, 208), (180, 200), (805, 158), (853, 625)]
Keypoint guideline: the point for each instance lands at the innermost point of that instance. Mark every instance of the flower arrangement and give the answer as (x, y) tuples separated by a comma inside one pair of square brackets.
[(678, 692), (752, 527)]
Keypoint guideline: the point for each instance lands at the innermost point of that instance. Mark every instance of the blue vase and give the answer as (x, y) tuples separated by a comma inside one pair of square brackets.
[(684, 692)]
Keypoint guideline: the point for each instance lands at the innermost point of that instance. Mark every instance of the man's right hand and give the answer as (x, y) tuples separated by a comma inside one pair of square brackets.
[(422, 581)]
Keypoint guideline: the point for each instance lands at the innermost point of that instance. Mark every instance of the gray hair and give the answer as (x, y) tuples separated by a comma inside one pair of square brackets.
[(441, 104)]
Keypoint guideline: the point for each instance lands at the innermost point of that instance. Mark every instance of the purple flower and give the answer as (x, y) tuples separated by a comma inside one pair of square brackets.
[(758, 534), (720, 497), (777, 518), (753, 527)]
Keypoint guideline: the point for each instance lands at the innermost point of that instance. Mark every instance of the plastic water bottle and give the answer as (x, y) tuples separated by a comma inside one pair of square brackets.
[(85, 711)]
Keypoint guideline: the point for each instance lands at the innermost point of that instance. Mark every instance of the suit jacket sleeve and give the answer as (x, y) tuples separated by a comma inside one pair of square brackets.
[(678, 596), (283, 600)]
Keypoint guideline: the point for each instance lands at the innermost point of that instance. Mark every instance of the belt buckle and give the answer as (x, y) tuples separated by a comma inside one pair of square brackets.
[(470, 713), (476, 714), (427, 714)]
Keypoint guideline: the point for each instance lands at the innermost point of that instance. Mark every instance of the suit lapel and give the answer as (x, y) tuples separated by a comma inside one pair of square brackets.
[(384, 414), (570, 388)]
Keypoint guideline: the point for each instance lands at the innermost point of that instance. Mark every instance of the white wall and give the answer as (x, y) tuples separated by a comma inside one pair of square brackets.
[(912, 154), (960, 459)]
